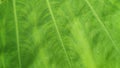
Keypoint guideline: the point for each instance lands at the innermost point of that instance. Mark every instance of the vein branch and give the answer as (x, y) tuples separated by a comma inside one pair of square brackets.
[(17, 31), (102, 24), (58, 32)]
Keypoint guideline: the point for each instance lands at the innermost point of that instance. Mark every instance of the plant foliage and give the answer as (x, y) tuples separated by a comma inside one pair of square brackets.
[(59, 34)]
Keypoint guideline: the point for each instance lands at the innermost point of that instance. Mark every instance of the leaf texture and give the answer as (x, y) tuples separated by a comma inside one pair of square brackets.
[(59, 34)]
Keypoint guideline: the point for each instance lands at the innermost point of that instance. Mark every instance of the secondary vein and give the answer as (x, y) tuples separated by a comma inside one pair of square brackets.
[(17, 31), (102, 24), (59, 35)]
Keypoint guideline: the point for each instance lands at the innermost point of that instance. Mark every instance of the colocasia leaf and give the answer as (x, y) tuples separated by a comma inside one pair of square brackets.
[(59, 34)]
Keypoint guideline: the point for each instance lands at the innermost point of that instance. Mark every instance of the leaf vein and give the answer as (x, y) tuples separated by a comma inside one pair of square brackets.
[(58, 32), (17, 32), (102, 24)]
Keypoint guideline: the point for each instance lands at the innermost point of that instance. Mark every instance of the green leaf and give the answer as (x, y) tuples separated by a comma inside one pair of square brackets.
[(59, 34)]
